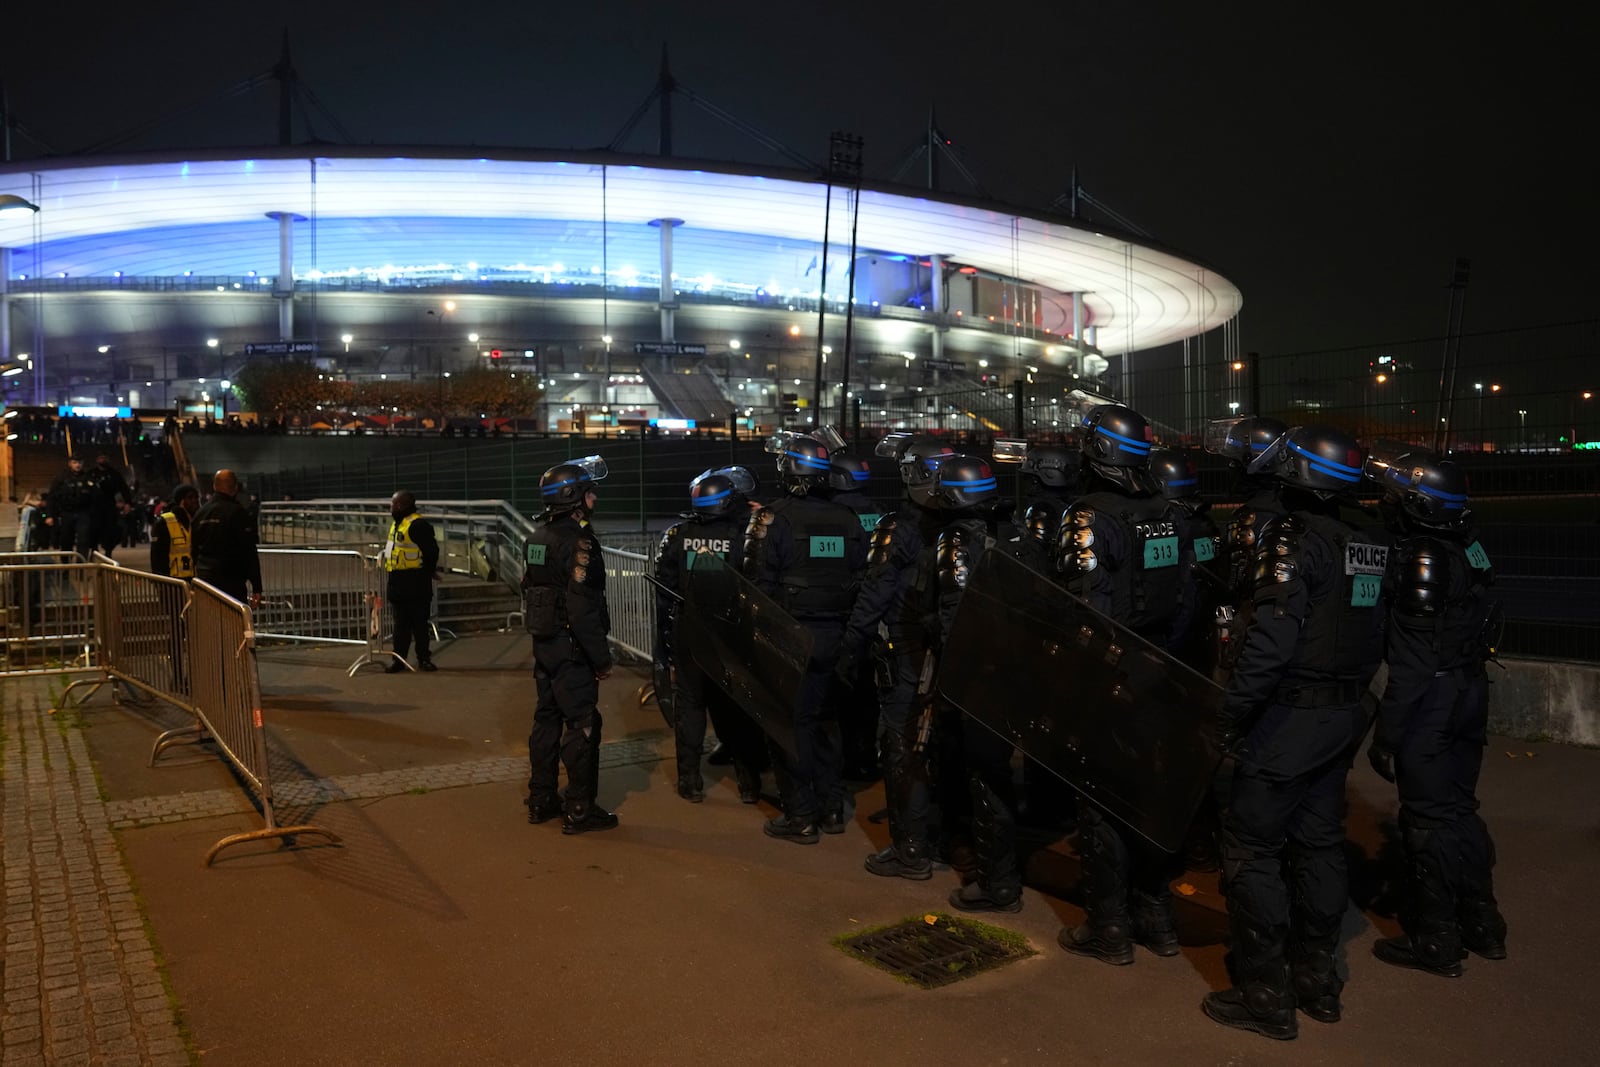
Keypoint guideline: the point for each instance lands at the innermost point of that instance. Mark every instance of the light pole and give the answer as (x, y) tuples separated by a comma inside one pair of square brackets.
[(910, 358), (1522, 429)]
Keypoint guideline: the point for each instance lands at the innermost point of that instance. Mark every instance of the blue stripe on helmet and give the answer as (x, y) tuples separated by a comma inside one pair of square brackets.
[(1141, 447), (861, 476), (972, 483), (1457, 498), (556, 487), (714, 498), (1339, 473), (1183, 481), (810, 461), (1260, 446), (1314, 458)]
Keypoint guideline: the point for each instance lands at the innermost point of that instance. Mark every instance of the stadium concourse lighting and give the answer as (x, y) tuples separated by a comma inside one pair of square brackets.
[(11, 204)]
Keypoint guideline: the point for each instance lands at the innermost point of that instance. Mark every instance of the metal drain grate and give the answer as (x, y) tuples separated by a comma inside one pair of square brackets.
[(937, 952)]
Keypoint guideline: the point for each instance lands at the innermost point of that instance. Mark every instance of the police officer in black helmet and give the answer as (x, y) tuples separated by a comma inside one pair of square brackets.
[(806, 552), (1250, 444), (564, 600), (898, 592), (720, 512), (1120, 549), (848, 477), (1432, 720), (1292, 719), (1049, 481)]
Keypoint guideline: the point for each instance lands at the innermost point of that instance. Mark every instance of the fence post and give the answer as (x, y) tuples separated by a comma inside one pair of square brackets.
[(642, 526)]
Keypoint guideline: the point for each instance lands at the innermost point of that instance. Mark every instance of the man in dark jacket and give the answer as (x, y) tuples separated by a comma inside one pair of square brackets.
[(70, 511), (564, 601), (225, 542), (411, 558)]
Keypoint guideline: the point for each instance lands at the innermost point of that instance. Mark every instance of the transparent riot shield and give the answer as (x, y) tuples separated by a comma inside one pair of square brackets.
[(1112, 715), (745, 643)]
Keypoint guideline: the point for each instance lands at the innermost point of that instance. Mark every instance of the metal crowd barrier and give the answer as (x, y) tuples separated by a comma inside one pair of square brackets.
[(47, 614), (631, 601), (324, 597), (227, 699)]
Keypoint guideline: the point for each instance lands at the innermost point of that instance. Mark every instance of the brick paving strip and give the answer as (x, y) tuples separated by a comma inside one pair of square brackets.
[(82, 982)]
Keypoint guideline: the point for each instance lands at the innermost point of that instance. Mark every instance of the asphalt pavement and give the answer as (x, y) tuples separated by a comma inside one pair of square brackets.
[(444, 929)]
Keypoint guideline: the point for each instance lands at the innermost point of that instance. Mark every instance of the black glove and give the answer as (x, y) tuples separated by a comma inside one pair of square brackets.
[(1225, 734), (1382, 760)]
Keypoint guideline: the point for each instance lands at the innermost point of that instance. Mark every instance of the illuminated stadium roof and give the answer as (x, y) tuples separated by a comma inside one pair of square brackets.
[(404, 216)]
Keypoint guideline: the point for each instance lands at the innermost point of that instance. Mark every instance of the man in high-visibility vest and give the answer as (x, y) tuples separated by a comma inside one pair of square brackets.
[(411, 557), (171, 547)]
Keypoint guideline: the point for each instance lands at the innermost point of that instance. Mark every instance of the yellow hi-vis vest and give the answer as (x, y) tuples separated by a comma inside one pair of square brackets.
[(180, 557), (402, 553)]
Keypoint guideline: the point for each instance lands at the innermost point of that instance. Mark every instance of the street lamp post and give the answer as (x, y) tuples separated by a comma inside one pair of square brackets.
[(1522, 429)]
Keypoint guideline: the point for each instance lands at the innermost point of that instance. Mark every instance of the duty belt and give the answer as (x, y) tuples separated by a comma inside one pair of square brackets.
[(1319, 694)]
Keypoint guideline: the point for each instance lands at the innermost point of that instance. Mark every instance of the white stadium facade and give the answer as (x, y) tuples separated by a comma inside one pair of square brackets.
[(128, 280)]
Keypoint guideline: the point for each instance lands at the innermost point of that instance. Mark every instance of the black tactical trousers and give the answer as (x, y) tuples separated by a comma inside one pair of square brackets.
[(994, 826), (1449, 848), (905, 764), (1288, 804), (566, 723), (809, 782), (694, 701), (1124, 876), (411, 624)]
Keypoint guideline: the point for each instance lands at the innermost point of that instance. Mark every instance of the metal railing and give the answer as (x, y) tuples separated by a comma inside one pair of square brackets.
[(483, 538), (47, 614), (227, 699)]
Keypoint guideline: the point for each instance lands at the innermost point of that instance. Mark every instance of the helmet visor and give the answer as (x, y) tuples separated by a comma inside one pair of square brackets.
[(593, 466), (1389, 465), (740, 478), (830, 437), (893, 445), (1219, 439), (1009, 451)]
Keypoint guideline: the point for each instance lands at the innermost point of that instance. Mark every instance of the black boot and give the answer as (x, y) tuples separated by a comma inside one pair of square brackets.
[(786, 828), (1483, 928), (584, 817), (998, 886), (749, 780), (1316, 980), (1152, 922), (1263, 1005), (1261, 999), (1432, 941), (692, 789), (1105, 932), (543, 809), (906, 859)]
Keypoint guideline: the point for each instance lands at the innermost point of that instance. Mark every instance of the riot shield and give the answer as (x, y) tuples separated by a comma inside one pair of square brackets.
[(746, 644), (1112, 715)]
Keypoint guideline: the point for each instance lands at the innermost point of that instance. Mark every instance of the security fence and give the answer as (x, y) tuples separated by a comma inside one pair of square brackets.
[(184, 643), (227, 698), (483, 538)]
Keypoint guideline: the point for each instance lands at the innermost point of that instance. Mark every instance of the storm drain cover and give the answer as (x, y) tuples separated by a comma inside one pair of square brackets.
[(935, 950)]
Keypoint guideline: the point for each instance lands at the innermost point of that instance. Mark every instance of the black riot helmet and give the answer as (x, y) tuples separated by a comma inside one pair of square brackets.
[(1175, 474), (1427, 489), (721, 491), (1116, 446), (848, 473), (564, 486), (1055, 467), (1249, 442), (918, 456), (804, 463), (1320, 459), (963, 482)]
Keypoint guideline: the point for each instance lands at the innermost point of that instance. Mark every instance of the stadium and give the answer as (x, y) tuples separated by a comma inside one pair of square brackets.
[(634, 289)]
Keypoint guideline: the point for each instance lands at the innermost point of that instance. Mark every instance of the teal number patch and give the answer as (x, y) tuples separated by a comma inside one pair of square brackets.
[(536, 555), (1364, 590), (1205, 550), (827, 548), (689, 557), (1160, 552), (869, 521), (1478, 557)]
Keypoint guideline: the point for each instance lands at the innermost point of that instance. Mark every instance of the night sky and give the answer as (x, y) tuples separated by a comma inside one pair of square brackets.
[(1332, 161)]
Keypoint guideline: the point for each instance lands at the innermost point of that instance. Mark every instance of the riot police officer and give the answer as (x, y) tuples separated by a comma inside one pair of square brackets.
[(899, 591), (1121, 550), (1292, 718), (1250, 444), (848, 477), (1049, 477), (564, 600), (1178, 481), (720, 508), (806, 552), (1432, 719)]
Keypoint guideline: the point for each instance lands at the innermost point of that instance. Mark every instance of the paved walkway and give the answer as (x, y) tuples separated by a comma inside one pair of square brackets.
[(83, 982), (446, 930)]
